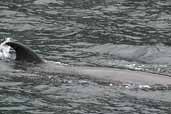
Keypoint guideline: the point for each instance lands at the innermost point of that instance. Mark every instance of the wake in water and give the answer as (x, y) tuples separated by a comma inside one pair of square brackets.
[(6, 52)]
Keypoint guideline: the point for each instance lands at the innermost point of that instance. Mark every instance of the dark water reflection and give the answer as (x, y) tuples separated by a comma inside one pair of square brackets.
[(132, 34)]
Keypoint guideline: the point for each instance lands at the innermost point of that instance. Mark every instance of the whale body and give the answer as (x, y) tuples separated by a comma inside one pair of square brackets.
[(24, 53)]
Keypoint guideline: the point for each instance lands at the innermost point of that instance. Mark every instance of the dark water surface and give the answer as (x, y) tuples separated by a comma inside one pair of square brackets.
[(131, 34)]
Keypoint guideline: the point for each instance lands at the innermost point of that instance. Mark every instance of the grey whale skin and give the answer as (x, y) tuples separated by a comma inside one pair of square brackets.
[(112, 75)]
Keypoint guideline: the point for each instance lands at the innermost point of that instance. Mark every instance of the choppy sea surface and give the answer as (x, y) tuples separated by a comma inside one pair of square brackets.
[(124, 34)]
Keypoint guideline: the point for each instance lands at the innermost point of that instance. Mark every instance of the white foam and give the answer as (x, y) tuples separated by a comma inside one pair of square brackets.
[(5, 49)]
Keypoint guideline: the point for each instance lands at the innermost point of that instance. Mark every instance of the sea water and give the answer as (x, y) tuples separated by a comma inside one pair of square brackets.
[(124, 34)]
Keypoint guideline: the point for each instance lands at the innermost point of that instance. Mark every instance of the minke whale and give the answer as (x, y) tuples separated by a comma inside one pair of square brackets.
[(112, 75)]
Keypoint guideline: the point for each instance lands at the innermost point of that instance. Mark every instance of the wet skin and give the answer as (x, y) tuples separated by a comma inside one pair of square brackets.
[(113, 75)]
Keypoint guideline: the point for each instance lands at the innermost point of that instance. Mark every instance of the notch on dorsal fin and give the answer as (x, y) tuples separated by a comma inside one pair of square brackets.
[(24, 53)]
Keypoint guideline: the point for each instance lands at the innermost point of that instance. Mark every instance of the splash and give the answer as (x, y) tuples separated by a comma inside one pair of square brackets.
[(5, 50)]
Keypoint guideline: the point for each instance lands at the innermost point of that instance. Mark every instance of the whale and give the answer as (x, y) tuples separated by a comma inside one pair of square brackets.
[(106, 74)]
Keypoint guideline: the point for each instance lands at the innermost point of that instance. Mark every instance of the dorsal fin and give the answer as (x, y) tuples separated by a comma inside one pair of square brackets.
[(24, 53)]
